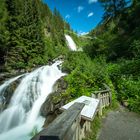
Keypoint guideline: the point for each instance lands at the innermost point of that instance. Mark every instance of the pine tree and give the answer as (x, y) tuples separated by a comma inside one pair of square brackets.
[(26, 45), (4, 33), (113, 7), (23, 33)]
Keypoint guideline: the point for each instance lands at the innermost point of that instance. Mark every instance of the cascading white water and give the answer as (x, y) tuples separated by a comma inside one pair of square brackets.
[(70, 43), (23, 112)]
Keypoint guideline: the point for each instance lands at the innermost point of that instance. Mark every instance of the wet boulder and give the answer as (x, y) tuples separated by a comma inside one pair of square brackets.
[(55, 100), (7, 93)]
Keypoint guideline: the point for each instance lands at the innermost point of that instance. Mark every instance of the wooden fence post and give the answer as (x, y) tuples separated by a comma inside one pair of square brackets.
[(100, 104)]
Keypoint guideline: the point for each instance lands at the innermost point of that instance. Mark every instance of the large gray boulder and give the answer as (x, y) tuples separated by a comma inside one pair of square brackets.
[(50, 108)]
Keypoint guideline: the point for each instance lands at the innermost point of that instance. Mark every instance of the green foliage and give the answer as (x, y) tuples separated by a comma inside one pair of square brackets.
[(113, 7), (118, 35), (30, 34), (95, 48), (118, 38), (85, 75), (126, 79), (135, 46), (4, 33), (124, 67), (129, 92)]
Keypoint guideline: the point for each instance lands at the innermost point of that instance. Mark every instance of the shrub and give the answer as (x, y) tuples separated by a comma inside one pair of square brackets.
[(85, 75), (129, 92)]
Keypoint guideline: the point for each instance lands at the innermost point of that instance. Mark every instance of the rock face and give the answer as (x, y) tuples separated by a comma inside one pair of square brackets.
[(8, 93), (5, 76), (55, 100)]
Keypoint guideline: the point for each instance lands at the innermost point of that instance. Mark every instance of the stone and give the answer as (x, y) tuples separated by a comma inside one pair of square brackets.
[(8, 93), (50, 108)]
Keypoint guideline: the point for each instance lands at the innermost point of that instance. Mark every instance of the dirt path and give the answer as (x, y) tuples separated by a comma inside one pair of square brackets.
[(120, 125)]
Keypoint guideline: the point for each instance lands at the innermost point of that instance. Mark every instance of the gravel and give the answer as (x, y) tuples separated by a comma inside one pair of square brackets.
[(120, 125)]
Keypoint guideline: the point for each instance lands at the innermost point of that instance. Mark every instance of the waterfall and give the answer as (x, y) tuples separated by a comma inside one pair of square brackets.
[(70, 43), (23, 112)]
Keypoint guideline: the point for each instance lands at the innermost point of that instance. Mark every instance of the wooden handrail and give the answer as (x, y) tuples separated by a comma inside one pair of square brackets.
[(105, 97), (69, 125), (102, 91), (64, 127)]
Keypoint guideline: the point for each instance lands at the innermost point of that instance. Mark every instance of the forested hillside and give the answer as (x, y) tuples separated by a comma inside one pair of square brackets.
[(117, 39), (118, 32), (30, 34)]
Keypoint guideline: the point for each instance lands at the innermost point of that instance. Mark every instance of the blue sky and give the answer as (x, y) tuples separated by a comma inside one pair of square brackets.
[(83, 15)]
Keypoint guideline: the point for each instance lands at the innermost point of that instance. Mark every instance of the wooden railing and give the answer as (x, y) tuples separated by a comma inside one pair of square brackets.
[(105, 97), (64, 127), (70, 125)]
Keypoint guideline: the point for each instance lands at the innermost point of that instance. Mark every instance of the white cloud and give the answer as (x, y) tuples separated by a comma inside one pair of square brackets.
[(80, 8), (92, 1), (80, 33), (90, 14), (67, 16)]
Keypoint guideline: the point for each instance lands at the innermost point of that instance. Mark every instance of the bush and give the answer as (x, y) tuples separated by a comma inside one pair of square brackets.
[(135, 46), (129, 92), (85, 75)]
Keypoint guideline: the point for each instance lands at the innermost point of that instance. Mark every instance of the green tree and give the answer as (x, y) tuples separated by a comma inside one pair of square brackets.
[(4, 33), (26, 38), (30, 34), (113, 7)]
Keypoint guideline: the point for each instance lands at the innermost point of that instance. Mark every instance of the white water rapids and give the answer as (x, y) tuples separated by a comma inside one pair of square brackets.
[(23, 112), (71, 44)]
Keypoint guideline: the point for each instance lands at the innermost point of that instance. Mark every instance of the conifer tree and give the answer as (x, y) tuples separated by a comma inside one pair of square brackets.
[(4, 34), (113, 7)]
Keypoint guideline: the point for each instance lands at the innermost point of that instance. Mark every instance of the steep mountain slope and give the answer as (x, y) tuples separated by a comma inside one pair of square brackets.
[(30, 34)]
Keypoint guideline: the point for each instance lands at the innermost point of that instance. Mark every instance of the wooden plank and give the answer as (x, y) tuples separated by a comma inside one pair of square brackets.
[(110, 97), (102, 91), (105, 99), (60, 127)]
